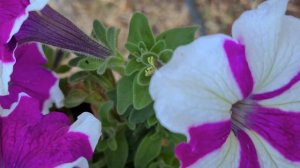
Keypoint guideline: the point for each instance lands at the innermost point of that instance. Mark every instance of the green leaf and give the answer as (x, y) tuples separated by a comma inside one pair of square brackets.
[(177, 138), (100, 32), (75, 97), (74, 62), (140, 116), (90, 64), (148, 150), (78, 76), (154, 165), (178, 36), (113, 62), (112, 95), (118, 158), (49, 53), (112, 144), (158, 46), (124, 94), (101, 146), (62, 69), (139, 30), (112, 37), (104, 112), (151, 121), (143, 78), (133, 66), (131, 126), (132, 48), (142, 47), (141, 96), (165, 56)]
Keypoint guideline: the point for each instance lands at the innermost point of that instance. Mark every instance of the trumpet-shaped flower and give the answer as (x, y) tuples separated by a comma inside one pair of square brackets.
[(32, 140), (236, 98), (30, 76), (23, 21)]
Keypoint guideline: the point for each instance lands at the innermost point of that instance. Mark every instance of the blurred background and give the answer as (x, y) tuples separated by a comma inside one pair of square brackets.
[(213, 16)]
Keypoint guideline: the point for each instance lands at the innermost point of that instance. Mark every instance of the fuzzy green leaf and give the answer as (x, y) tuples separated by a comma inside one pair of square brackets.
[(113, 62), (151, 121), (165, 56), (112, 37), (140, 116), (90, 64), (124, 94), (139, 30), (158, 46), (141, 96), (75, 98), (133, 66), (81, 75), (132, 48), (62, 69), (112, 144), (118, 158), (104, 112), (49, 53), (74, 62), (143, 78), (148, 150), (100, 32), (178, 36)]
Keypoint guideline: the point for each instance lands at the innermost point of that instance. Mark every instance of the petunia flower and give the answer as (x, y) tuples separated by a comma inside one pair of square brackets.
[(32, 140), (13, 13), (23, 21), (237, 99), (30, 76)]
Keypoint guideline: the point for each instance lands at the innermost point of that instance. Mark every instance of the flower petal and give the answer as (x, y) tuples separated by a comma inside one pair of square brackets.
[(272, 44), (13, 13), (276, 136), (248, 154), (31, 77), (7, 61), (49, 27), (80, 162), (201, 152), (268, 155), (197, 86), (35, 140), (199, 146), (239, 66), (285, 98), (88, 125)]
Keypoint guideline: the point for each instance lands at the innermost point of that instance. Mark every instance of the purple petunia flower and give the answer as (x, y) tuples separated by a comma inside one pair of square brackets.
[(23, 21), (32, 140), (28, 137), (30, 76), (12, 13), (236, 99)]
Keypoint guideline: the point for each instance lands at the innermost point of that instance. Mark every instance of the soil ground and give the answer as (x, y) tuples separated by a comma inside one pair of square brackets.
[(216, 15)]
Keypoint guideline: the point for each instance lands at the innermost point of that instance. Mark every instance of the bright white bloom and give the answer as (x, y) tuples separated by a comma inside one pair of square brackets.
[(237, 99)]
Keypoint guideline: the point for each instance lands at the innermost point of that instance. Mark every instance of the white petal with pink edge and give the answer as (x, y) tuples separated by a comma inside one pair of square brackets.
[(80, 162), (227, 156), (268, 156), (87, 124), (196, 86), (6, 69), (271, 41), (287, 101)]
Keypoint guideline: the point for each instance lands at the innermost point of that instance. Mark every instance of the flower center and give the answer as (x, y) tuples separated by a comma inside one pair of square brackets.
[(240, 111)]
